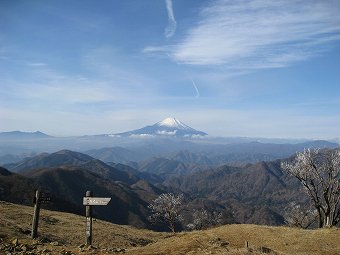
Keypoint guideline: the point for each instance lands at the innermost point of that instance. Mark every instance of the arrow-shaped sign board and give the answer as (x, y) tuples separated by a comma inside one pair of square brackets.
[(96, 200)]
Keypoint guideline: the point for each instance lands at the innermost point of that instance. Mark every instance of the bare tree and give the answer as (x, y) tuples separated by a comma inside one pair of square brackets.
[(203, 219), (166, 208), (200, 219), (319, 173), (215, 218), (297, 216)]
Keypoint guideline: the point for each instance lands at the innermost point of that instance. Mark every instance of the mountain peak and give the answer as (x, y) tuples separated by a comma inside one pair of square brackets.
[(20, 134), (172, 123), (167, 127)]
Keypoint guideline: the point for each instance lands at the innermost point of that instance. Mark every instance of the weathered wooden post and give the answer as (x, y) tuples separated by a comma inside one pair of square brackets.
[(246, 244), (36, 213), (89, 201), (39, 198), (88, 220)]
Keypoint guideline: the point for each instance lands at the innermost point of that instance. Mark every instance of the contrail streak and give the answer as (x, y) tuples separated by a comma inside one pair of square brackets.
[(192, 81), (171, 28), (197, 92)]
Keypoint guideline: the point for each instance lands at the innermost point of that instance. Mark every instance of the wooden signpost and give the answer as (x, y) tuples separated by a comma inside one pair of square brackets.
[(89, 201), (40, 198)]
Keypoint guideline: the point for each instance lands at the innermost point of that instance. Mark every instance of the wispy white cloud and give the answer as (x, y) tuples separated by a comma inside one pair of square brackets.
[(172, 24), (258, 34), (37, 64), (59, 92), (275, 123), (158, 49), (49, 87), (104, 81)]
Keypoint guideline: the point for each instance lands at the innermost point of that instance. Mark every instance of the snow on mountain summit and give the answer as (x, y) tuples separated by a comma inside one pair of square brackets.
[(172, 123), (167, 127)]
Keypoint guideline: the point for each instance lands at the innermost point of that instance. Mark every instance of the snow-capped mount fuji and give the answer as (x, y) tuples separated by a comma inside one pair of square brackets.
[(167, 127)]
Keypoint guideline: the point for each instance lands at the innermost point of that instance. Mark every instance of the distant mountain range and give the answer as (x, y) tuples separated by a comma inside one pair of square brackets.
[(257, 193), (67, 175), (262, 188), (193, 154), (26, 135), (201, 154), (167, 128)]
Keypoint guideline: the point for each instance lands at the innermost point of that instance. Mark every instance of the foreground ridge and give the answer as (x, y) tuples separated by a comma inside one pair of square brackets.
[(63, 233)]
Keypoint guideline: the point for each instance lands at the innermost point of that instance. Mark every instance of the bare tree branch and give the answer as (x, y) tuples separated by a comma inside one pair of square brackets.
[(165, 208), (319, 173)]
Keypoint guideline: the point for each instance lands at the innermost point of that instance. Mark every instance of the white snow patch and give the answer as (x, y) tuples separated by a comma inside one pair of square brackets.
[(173, 123)]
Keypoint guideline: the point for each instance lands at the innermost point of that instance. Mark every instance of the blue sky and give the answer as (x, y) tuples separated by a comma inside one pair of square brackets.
[(251, 68)]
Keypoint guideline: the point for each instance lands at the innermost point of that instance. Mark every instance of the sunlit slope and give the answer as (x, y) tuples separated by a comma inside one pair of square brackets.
[(68, 231)]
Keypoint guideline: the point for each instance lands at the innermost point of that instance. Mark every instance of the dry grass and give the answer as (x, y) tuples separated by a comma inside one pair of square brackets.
[(281, 240), (68, 230)]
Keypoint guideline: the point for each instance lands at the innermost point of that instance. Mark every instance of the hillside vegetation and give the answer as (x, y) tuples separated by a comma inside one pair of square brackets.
[(63, 233), (251, 194)]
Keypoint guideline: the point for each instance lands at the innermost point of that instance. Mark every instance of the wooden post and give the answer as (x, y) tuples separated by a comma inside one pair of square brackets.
[(36, 213), (88, 220), (89, 201)]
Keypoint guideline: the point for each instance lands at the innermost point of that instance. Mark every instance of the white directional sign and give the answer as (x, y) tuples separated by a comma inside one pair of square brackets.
[(96, 200)]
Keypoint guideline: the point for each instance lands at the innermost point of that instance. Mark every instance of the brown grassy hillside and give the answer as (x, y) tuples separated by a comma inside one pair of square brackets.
[(63, 233)]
